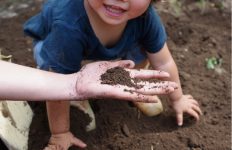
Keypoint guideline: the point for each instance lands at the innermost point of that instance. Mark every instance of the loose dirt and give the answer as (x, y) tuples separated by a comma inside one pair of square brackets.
[(117, 76)]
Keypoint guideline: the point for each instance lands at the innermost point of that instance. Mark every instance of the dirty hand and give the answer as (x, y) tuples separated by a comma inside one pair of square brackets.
[(63, 141), (88, 84), (186, 104)]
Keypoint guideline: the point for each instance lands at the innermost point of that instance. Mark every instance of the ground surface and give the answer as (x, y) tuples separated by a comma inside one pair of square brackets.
[(193, 37)]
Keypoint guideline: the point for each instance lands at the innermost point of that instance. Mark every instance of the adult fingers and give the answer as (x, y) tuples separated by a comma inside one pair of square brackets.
[(155, 91), (111, 64), (145, 74), (125, 63), (125, 93), (157, 84), (137, 97), (179, 117), (164, 87)]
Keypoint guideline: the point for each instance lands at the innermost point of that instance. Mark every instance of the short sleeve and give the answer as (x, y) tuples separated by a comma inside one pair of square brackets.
[(63, 48), (154, 35), (39, 25), (35, 27)]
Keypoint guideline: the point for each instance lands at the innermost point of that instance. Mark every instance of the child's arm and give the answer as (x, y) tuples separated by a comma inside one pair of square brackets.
[(163, 60), (24, 83)]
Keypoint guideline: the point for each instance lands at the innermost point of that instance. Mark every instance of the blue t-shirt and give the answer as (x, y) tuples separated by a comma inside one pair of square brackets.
[(68, 37)]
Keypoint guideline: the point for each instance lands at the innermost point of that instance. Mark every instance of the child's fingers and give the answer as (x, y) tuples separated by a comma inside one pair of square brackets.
[(145, 74), (193, 113), (197, 109), (78, 142), (179, 118), (195, 102), (189, 96)]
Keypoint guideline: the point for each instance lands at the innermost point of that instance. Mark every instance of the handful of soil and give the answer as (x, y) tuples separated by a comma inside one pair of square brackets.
[(119, 75)]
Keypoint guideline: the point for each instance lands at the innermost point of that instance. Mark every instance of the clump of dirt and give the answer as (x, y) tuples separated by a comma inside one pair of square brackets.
[(119, 75)]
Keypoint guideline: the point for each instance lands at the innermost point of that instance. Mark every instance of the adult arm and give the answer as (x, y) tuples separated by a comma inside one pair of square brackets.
[(25, 83)]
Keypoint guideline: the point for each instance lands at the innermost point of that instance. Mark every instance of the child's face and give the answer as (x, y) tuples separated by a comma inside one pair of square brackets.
[(115, 12)]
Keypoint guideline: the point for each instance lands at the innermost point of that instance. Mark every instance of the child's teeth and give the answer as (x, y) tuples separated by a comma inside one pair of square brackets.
[(113, 10)]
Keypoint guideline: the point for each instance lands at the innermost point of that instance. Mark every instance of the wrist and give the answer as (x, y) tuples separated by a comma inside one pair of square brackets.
[(176, 96), (77, 87), (65, 87)]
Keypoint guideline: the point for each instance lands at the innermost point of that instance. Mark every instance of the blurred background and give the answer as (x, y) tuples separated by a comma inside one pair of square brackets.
[(199, 37)]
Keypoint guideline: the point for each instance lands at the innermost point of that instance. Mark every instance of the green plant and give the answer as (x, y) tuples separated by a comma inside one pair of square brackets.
[(213, 62), (176, 5), (202, 5), (220, 5)]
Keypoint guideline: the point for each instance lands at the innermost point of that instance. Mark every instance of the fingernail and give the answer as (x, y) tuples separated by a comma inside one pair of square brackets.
[(128, 65), (165, 73), (180, 124), (176, 86)]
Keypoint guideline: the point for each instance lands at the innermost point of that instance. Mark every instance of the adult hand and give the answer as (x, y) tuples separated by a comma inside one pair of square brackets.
[(186, 104), (88, 84)]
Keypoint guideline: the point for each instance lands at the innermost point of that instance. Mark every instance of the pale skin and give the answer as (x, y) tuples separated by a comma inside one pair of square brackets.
[(25, 83), (180, 103), (108, 19)]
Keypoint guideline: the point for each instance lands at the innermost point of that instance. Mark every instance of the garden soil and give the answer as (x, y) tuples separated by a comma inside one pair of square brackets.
[(193, 36)]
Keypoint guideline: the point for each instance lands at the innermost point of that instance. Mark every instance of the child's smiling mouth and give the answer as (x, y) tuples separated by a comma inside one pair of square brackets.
[(114, 11)]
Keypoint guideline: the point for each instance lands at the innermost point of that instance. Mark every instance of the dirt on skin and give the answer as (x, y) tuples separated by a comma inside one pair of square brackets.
[(120, 76), (117, 75), (192, 37)]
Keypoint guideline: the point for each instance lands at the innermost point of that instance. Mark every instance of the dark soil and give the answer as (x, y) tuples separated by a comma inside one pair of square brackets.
[(192, 38), (117, 75)]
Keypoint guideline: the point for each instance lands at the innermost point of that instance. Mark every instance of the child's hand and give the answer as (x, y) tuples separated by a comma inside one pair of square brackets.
[(89, 84), (63, 141), (186, 104)]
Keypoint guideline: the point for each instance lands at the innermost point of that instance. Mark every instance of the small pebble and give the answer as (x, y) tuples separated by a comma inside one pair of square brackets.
[(125, 130)]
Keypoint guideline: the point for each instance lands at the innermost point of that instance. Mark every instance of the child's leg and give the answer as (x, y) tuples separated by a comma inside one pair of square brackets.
[(138, 55), (149, 109)]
